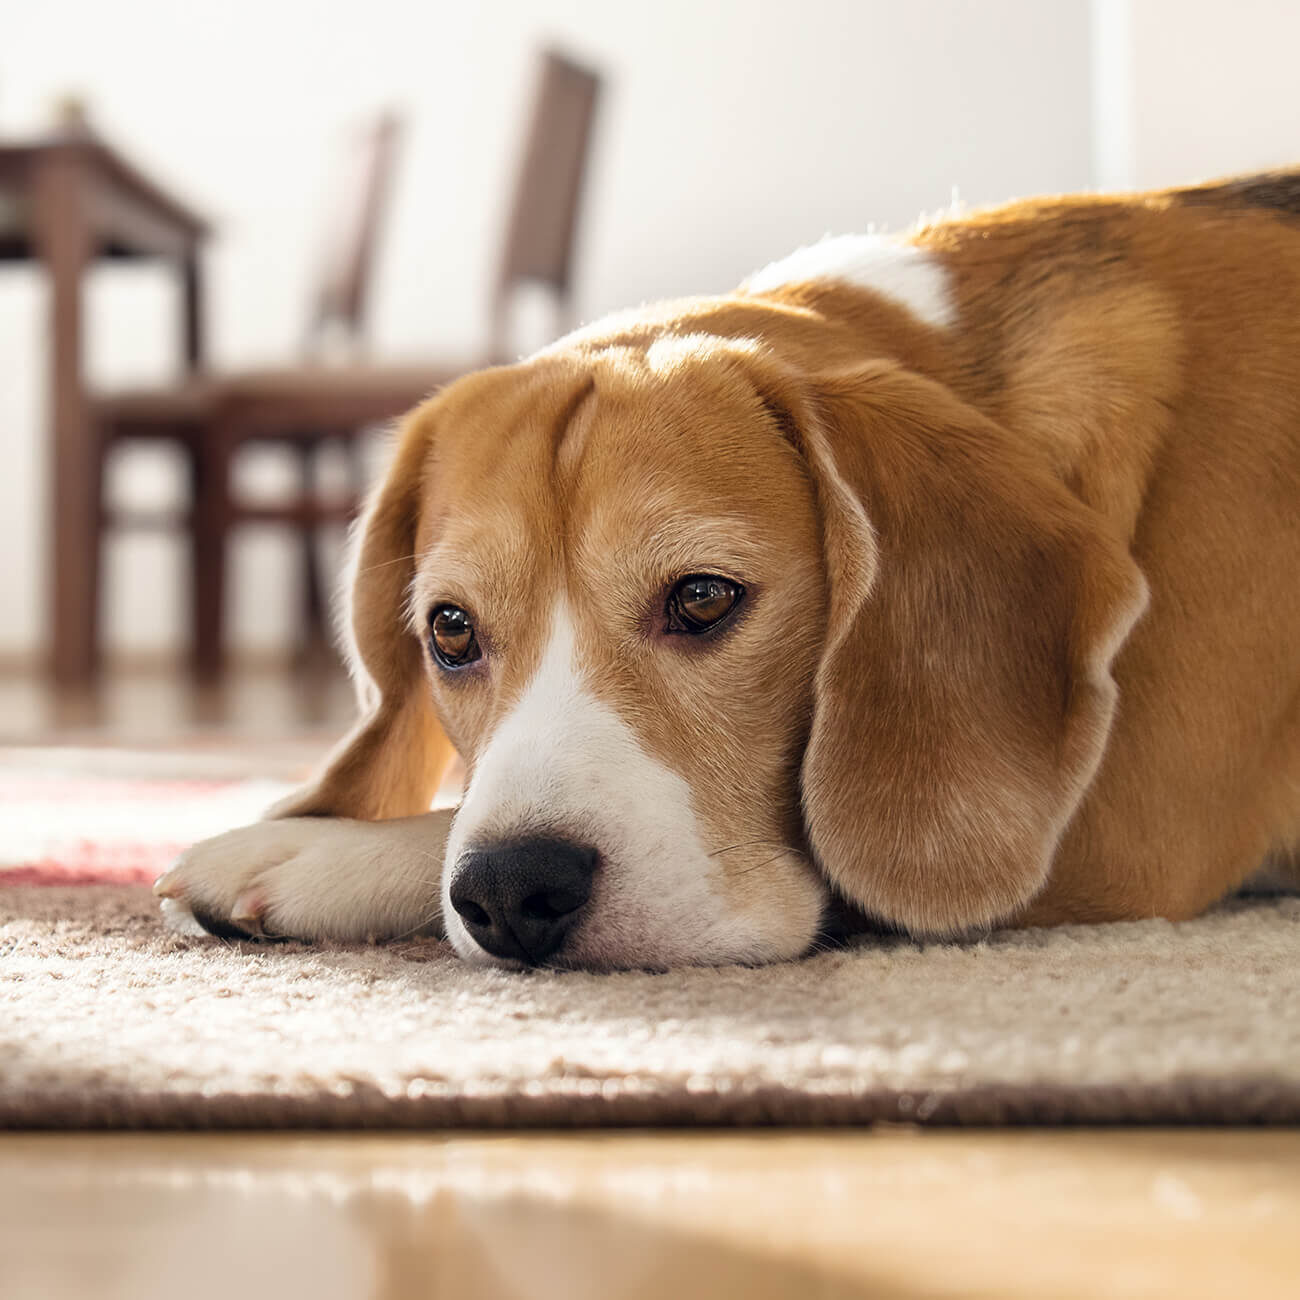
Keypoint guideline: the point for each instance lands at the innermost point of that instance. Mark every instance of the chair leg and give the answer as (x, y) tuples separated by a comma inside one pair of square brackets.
[(354, 450), (210, 523), (94, 557), (312, 630)]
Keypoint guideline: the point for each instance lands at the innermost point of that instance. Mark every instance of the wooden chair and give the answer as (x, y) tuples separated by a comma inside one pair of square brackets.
[(212, 417)]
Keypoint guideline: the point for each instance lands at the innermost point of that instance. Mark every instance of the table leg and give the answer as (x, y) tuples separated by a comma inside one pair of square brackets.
[(210, 526), (61, 202), (192, 308)]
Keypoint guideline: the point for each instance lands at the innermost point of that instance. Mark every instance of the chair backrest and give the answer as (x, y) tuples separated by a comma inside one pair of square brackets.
[(355, 214), (542, 228)]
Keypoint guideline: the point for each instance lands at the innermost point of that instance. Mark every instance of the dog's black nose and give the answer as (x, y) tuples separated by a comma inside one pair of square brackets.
[(520, 899)]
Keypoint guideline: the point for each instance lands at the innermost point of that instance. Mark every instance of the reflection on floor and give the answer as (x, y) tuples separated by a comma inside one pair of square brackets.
[(152, 706), (604, 1216)]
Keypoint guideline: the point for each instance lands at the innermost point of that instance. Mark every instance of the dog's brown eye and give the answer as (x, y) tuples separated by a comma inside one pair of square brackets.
[(451, 637), (701, 601)]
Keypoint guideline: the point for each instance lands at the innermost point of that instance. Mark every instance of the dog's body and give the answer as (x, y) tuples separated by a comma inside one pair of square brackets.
[(1003, 522)]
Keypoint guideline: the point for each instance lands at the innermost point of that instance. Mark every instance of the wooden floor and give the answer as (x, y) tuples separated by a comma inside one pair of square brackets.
[(885, 1214), (890, 1213), (147, 706)]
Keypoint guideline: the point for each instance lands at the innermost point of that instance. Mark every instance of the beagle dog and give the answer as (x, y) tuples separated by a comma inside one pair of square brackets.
[(954, 577)]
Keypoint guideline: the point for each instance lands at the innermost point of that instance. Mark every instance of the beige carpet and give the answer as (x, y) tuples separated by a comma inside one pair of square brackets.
[(107, 1020)]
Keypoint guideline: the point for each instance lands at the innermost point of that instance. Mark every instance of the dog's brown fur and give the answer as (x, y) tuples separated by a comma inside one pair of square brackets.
[(982, 512)]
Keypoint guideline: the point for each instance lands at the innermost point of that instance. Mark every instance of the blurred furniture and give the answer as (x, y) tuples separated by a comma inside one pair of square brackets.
[(303, 406), (213, 416), (65, 201), (541, 236)]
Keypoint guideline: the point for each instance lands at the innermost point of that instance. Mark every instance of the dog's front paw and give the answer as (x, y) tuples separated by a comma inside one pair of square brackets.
[(305, 878), (247, 883)]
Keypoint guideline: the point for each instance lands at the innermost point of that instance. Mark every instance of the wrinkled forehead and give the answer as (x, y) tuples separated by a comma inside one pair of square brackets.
[(560, 476)]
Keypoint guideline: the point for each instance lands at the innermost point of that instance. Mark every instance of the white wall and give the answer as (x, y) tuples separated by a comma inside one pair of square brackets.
[(1191, 89), (734, 131), (1217, 88)]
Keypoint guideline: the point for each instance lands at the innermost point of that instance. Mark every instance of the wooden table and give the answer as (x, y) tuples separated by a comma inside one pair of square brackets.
[(66, 200)]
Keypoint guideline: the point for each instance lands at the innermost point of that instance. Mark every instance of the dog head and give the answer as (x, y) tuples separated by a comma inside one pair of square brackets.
[(718, 639)]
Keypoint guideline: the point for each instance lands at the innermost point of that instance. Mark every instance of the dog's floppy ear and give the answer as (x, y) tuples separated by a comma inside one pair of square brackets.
[(391, 763), (964, 695)]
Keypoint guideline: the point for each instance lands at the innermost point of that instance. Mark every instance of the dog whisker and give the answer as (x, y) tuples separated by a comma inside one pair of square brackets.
[(419, 925), (383, 564), (758, 866), (749, 844)]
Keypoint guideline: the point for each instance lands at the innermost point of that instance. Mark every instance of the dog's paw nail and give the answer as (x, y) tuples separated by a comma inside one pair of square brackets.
[(247, 911), (167, 886)]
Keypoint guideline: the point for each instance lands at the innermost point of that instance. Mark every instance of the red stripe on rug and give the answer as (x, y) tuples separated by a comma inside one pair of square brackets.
[(114, 790), (87, 863)]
